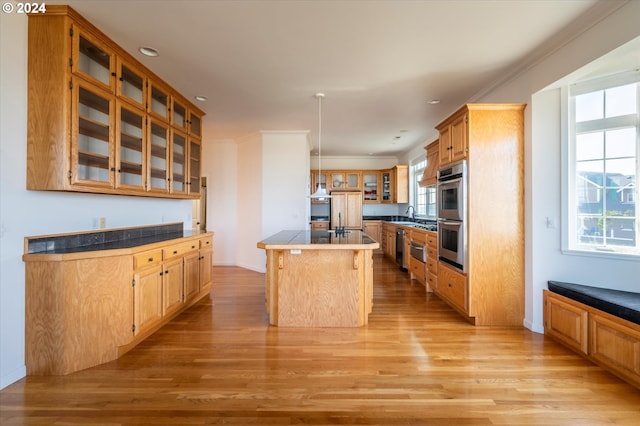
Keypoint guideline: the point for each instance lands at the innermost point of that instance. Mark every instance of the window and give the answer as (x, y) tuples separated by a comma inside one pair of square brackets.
[(604, 141), (424, 198)]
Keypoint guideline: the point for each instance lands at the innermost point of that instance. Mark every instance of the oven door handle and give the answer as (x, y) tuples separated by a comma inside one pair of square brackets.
[(450, 223)]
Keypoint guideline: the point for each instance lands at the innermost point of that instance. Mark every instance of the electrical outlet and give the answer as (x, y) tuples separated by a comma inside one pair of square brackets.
[(103, 222)]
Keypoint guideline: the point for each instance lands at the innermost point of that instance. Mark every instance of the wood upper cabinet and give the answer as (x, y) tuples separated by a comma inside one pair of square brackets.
[(350, 180), (371, 186), (98, 117), (319, 179), (395, 184), (454, 139), (346, 210), (131, 158), (92, 59), (131, 84), (92, 136)]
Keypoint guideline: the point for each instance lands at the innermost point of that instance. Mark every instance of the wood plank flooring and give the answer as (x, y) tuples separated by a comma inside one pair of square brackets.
[(416, 363)]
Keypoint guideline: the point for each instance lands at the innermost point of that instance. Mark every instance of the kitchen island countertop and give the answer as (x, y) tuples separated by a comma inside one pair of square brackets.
[(319, 240)]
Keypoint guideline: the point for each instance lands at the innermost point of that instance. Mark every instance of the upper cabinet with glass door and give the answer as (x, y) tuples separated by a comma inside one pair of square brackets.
[(103, 122), (92, 59), (131, 84), (345, 180), (371, 186)]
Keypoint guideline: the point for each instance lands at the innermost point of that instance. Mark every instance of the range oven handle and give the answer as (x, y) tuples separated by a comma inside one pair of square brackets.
[(451, 179), (450, 223)]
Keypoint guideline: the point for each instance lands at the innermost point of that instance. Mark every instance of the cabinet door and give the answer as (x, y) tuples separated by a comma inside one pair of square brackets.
[(353, 181), (206, 265), (158, 103), (338, 210), (158, 148), (147, 299), (92, 135), (459, 138), (92, 60), (444, 146), (195, 124), (566, 322), (453, 286), (191, 275), (387, 186), (172, 282), (130, 148), (178, 155), (371, 186), (179, 114), (354, 211), (131, 84), (195, 153), (337, 180)]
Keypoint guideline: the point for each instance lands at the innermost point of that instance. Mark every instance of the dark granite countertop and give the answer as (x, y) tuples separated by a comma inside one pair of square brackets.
[(107, 239)]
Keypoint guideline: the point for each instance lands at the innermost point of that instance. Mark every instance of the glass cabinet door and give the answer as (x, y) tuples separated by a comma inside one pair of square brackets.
[(386, 187), (352, 181), (194, 166), (158, 101), (195, 124), (92, 60), (91, 144), (179, 115), (158, 156), (131, 84), (178, 161), (370, 182), (130, 148)]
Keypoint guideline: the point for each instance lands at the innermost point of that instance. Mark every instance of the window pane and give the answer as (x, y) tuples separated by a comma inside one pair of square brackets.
[(589, 146), (621, 100), (590, 106), (620, 232), (621, 143)]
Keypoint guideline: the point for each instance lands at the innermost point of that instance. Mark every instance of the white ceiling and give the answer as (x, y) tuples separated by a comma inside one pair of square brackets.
[(378, 62)]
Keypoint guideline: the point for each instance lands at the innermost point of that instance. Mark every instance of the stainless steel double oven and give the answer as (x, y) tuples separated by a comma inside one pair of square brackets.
[(452, 215)]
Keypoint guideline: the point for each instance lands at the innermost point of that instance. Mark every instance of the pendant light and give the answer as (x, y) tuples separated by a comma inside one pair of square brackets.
[(321, 193)]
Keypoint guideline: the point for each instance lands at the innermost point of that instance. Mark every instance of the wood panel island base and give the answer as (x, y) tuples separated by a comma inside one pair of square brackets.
[(319, 279)]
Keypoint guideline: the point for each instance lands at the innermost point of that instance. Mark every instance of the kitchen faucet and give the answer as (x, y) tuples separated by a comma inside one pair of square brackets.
[(413, 213)]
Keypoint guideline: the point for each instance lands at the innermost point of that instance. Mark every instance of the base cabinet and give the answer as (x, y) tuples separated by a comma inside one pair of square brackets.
[(452, 286), (85, 309), (373, 228), (609, 341)]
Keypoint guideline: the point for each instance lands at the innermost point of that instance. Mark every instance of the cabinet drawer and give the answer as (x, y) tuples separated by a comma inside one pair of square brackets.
[(148, 258), (419, 236), (179, 249), (206, 242), (432, 240), (432, 260), (417, 268), (432, 281), (319, 226), (453, 286)]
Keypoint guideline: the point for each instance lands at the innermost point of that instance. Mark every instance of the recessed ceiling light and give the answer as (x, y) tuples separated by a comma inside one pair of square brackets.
[(403, 131), (149, 51), (201, 98), (434, 101)]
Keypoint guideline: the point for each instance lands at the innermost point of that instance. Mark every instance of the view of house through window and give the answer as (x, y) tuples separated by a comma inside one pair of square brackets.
[(604, 144)]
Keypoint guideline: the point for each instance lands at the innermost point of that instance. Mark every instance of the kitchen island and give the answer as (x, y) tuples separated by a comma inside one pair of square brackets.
[(319, 278)]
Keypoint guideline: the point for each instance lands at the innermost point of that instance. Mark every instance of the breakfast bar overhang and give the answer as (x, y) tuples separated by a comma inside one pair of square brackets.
[(319, 278)]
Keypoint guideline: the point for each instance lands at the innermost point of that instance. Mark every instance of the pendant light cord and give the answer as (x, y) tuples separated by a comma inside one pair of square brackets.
[(320, 96)]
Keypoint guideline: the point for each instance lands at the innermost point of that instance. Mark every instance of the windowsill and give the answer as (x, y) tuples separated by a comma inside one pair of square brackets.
[(602, 254)]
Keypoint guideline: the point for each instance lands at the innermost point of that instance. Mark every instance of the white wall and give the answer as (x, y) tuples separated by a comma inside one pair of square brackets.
[(28, 213), (543, 259), (220, 165), (249, 213)]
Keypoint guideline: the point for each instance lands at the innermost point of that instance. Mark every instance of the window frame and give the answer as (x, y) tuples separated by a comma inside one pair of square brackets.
[(418, 167), (569, 165)]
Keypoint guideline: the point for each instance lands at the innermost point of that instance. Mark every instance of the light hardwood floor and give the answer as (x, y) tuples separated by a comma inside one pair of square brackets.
[(416, 363)]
